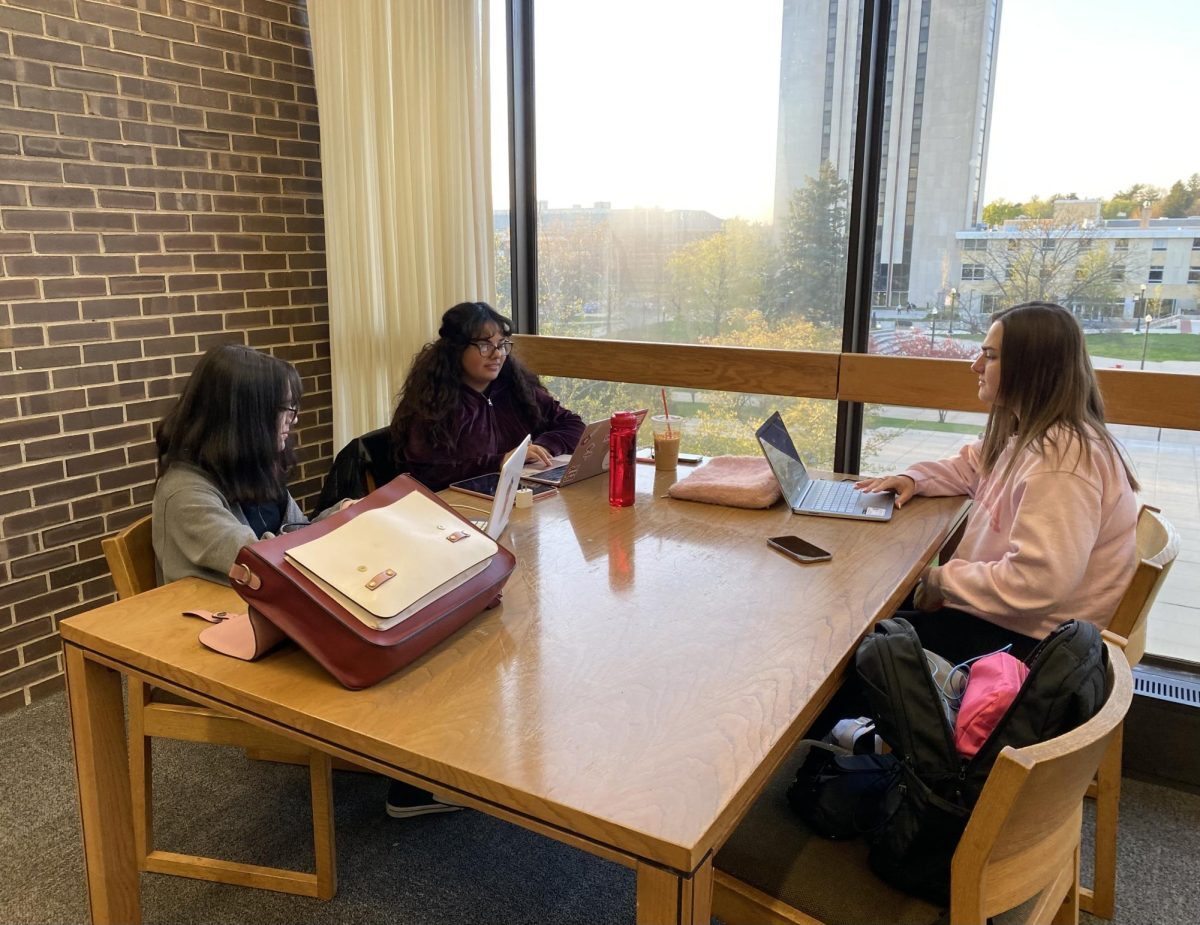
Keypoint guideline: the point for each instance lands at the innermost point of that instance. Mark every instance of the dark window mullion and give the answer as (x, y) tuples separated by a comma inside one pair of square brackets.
[(864, 207), (522, 161)]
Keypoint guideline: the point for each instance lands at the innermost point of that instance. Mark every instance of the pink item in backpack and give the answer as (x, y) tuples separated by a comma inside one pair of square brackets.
[(991, 688)]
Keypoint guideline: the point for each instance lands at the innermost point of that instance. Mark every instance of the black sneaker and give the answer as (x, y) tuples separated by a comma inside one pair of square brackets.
[(405, 800)]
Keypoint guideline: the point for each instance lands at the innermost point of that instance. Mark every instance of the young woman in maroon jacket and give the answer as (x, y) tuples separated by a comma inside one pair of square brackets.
[(467, 402)]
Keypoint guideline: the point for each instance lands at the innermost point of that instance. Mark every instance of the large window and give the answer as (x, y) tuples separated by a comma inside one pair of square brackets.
[(1107, 235), (691, 188), (658, 213), (694, 179)]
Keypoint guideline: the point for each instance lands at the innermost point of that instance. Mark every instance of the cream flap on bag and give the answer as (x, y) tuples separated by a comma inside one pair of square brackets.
[(386, 564)]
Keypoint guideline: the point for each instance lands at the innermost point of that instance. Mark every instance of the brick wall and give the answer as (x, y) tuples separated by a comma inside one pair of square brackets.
[(159, 192)]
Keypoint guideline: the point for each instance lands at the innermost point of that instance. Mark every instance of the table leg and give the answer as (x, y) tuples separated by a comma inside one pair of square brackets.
[(665, 897), (102, 772)]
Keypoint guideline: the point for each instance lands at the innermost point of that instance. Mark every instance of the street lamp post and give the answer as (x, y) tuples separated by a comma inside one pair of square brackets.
[(1140, 309), (1149, 316), (951, 305), (933, 325)]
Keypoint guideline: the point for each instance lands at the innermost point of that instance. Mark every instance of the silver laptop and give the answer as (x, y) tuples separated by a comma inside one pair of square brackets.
[(806, 495), (590, 457), (506, 492)]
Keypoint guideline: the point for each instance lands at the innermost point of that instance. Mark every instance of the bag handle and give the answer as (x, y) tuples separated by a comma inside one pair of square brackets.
[(240, 574)]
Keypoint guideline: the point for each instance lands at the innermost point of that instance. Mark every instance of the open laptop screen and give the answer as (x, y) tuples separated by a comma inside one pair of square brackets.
[(781, 453)]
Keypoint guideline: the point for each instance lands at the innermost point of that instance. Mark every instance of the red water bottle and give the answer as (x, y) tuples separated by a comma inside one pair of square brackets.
[(622, 437)]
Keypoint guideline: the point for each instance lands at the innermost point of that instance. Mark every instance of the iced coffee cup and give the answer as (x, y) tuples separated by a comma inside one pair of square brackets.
[(668, 428)]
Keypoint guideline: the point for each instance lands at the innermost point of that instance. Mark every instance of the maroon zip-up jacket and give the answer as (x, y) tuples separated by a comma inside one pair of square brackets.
[(489, 424)]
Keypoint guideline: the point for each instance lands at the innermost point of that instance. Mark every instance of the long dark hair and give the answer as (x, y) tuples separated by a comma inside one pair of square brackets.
[(1046, 381), (226, 423), (432, 391)]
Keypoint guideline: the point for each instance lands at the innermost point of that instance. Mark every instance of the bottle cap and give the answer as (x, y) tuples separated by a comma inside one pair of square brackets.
[(524, 497)]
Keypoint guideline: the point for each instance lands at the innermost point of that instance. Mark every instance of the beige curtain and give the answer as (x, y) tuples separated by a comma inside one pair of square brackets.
[(402, 91)]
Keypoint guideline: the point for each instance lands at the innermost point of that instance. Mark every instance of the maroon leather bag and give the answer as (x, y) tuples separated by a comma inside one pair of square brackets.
[(355, 654)]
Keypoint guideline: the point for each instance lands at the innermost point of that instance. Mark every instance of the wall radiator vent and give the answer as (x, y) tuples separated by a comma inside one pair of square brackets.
[(1172, 688)]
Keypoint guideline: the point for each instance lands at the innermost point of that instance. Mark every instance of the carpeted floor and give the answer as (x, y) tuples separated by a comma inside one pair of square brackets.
[(461, 867)]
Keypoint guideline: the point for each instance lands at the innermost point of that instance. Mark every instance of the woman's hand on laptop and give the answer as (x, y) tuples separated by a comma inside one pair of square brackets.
[(538, 456), (901, 485)]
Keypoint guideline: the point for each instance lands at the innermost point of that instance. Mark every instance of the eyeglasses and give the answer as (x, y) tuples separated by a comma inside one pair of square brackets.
[(486, 348), (292, 410)]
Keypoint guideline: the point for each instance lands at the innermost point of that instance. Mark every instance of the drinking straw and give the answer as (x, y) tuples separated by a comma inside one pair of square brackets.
[(666, 411)]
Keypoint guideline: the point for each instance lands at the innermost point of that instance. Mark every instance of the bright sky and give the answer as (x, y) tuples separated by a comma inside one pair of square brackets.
[(1093, 96), (674, 103), (627, 117)]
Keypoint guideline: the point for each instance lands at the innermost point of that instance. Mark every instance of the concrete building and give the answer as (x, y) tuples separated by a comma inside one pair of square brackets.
[(1112, 272), (941, 65)]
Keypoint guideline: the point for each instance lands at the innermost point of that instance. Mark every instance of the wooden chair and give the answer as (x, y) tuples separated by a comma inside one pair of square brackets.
[(1021, 843), (1157, 548), (152, 713)]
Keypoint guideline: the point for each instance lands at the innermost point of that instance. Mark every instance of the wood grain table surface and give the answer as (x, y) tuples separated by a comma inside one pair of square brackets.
[(648, 669)]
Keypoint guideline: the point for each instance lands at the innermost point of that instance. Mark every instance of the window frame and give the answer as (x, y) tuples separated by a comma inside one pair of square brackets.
[(863, 183), (863, 199)]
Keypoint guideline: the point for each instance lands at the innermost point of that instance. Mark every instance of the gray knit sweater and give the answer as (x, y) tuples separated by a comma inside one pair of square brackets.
[(196, 530)]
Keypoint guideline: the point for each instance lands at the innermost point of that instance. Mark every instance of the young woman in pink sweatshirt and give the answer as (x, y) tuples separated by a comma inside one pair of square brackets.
[(1051, 533)]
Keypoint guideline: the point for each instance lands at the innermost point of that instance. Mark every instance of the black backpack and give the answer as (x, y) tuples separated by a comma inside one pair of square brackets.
[(937, 788), (841, 795)]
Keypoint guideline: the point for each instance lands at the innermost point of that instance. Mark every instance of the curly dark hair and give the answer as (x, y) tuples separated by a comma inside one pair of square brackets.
[(432, 391), (226, 423)]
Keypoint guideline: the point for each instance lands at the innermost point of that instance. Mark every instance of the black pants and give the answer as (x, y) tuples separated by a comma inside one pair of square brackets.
[(958, 636)]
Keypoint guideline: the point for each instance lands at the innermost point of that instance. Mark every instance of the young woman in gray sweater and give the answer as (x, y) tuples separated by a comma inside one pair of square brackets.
[(223, 455), (223, 459)]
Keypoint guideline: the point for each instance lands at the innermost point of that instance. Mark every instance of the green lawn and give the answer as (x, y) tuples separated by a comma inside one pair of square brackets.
[(949, 427), (1160, 346), (1129, 346)]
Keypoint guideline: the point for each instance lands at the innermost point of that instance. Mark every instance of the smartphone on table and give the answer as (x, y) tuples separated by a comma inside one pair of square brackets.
[(798, 549), (646, 455)]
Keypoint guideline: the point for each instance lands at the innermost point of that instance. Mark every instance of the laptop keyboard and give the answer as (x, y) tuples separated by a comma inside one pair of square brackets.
[(835, 497), (554, 474)]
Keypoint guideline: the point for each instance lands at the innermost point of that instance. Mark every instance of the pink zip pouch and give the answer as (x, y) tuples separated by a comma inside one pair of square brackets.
[(991, 688)]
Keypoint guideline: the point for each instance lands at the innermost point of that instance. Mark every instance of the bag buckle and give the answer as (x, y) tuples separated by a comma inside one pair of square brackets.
[(386, 575), (208, 615), (244, 577)]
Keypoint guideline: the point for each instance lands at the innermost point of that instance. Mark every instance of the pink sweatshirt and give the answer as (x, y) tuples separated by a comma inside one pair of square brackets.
[(1055, 541)]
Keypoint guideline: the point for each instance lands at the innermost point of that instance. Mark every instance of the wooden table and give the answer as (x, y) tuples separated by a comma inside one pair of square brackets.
[(648, 670)]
